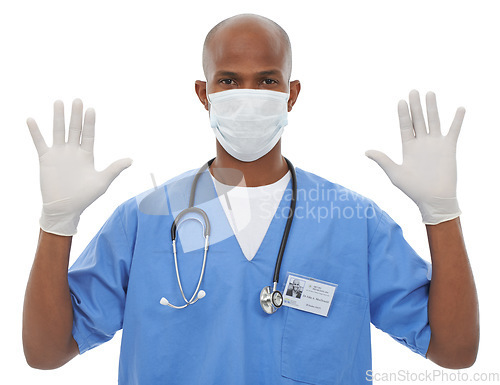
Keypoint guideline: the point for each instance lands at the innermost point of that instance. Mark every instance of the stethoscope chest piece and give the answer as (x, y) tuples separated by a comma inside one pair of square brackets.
[(270, 300)]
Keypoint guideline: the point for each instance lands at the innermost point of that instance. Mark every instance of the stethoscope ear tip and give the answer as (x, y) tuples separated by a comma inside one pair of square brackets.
[(164, 301)]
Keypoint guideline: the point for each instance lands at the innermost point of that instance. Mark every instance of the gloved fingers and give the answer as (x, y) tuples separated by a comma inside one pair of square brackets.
[(88, 130), (41, 146), (432, 114), (417, 115), (58, 130), (115, 168), (405, 123), (383, 161), (75, 125), (456, 125)]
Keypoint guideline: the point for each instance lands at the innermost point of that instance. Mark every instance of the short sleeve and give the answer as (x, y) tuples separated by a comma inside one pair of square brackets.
[(399, 286), (98, 283)]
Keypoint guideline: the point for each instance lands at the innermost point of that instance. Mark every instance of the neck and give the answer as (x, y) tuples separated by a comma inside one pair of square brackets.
[(266, 170)]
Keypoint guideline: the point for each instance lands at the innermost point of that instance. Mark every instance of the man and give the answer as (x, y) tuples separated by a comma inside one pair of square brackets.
[(294, 289), (120, 277)]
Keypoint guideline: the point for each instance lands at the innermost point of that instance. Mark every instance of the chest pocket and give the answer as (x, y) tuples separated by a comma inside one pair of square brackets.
[(319, 350)]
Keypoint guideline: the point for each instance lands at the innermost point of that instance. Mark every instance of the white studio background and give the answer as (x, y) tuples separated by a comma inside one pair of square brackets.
[(136, 63)]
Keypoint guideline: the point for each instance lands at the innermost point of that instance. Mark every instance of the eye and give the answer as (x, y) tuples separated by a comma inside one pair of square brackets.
[(227, 82), (269, 81)]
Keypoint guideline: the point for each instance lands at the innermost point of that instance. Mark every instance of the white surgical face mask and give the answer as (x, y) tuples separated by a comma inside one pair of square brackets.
[(248, 123)]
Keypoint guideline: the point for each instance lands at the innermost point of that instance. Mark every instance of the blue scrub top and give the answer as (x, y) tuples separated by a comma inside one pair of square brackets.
[(337, 236)]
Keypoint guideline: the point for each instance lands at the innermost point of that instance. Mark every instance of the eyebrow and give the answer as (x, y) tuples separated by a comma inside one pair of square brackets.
[(234, 74), (270, 72)]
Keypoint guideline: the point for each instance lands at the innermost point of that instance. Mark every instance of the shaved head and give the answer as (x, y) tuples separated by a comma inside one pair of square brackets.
[(247, 52), (243, 27)]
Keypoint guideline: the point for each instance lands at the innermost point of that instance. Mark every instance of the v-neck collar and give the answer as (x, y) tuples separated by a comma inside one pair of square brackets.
[(222, 233), (273, 234)]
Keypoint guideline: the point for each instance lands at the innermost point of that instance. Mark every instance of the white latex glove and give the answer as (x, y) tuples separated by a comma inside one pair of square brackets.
[(68, 179), (428, 174)]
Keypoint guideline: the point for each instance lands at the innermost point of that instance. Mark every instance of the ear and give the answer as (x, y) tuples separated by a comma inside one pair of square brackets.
[(200, 88), (294, 93)]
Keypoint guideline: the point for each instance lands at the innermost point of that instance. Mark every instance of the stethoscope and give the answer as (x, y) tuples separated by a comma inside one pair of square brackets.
[(271, 299)]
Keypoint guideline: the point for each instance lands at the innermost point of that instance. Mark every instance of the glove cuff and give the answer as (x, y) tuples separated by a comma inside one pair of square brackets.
[(438, 210), (60, 224)]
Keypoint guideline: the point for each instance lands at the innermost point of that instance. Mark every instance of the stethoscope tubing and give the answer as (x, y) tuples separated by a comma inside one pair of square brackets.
[(206, 233), (288, 225), (190, 302)]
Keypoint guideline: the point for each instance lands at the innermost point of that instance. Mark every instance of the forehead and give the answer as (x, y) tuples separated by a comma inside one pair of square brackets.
[(247, 47)]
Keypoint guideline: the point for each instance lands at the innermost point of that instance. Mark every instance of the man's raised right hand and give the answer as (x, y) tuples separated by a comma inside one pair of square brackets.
[(68, 179)]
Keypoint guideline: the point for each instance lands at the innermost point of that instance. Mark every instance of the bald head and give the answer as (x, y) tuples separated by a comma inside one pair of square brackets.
[(244, 30)]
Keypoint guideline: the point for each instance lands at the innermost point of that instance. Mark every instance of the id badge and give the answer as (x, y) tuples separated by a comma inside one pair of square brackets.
[(308, 294)]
